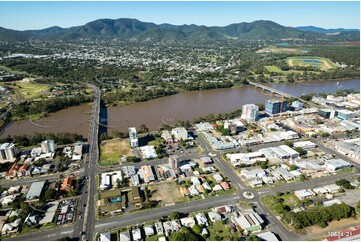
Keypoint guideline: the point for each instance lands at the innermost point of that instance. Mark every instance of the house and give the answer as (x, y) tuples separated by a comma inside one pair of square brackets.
[(214, 216), (184, 191), (332, 188), (305, 144), (217, 188), (253, 173), (304, 194), (136, 234), (68, 184), (202, 219), (8, 200), (13, 171), (193, 191), (31, 219), (206, 160), (14, 189), (255, 183), (200, 189), (223, 209), (290, 151), (225, 185), (149, 231), (218, 177), (105, 237), (188, 222), (159, 228), (331, 202), (24, 170), (171, 226), (285, 174), (195, 181), (10, 228), (206, 186), (137, 199)]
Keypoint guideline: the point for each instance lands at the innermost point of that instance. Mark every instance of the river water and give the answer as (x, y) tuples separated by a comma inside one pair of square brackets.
[(155, 113)]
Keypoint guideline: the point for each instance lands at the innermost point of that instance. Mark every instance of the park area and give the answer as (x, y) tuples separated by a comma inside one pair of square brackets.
[(309, 61), (27, 89), (112, 150)]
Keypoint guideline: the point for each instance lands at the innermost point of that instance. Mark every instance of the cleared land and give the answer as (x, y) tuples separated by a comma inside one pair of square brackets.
[(315, 232), (319, 62), (166, 192), (112, 150), (28, 89), (281, 50)]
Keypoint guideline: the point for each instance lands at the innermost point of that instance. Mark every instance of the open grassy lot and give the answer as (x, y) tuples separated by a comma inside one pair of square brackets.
[(271, 201), (208, 58), (112, 150), (281, 50), (28, 89), (219, 231), (319, 62), (166, 192), (278, 70)]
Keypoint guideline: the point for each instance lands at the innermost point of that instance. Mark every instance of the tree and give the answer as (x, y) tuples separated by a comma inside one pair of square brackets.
[(301, 151), (264, 164), (252, 238), (143, 129), (288, 143), (293, 167), (185, 234), (344, 184), (197, 229), (50, 194), (103, 136), (174, 215)]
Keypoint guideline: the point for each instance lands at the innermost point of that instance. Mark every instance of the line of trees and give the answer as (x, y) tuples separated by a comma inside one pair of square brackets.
[(25, 140)]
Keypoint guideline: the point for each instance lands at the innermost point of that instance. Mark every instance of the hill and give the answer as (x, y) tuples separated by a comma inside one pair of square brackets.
[(126, 29)]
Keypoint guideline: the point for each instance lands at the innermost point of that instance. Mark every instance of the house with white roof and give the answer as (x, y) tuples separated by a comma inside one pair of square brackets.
[(214, 216), (202, 219), (188, 222), (304, 194)]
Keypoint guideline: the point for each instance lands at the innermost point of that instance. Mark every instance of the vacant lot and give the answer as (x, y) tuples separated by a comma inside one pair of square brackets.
[(316, 232), (166, 192), (112, 150), (27, 89)]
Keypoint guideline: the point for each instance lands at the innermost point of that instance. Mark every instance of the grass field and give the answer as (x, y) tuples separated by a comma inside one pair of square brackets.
[(208, 58), (219, 231), (319, 62), (281, 50), (278, 70), (112, 150), (28, 89)]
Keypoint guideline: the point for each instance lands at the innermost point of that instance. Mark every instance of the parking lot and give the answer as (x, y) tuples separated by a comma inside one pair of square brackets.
[(66, 212)]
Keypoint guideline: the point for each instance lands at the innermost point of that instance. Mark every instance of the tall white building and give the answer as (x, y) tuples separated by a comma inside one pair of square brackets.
[(180, 133), (48, 146), (7, 152), (133, 137), (250, 112)]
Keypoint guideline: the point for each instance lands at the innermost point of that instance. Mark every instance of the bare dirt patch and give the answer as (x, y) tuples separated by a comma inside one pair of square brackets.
[(316, 232), (166, 192)]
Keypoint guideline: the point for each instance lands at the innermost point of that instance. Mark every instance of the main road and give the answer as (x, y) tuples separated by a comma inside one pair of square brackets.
[(85, 224)]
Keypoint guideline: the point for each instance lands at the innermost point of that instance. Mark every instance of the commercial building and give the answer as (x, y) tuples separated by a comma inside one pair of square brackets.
[(35, 190), (275, 106), (297, 105), (148, 152), (327, 113), (337, 164), (133, 137), (167, 137), (7, 152), (146, 173), (347, 114), (48, 146), (250, 112), (180, 133), (248, 222)]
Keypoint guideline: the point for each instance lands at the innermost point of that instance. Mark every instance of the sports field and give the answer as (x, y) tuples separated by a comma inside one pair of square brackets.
[(318, 62)]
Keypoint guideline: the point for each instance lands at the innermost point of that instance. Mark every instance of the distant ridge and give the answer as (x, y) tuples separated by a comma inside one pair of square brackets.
[(133, 29)]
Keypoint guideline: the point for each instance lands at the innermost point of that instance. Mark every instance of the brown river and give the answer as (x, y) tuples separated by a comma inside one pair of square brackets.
[(165, 110)]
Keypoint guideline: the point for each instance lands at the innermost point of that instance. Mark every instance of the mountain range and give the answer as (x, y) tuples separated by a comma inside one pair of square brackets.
[(126, 29)]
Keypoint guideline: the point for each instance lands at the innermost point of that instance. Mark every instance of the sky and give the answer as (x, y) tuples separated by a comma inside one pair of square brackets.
[(39, 15)]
